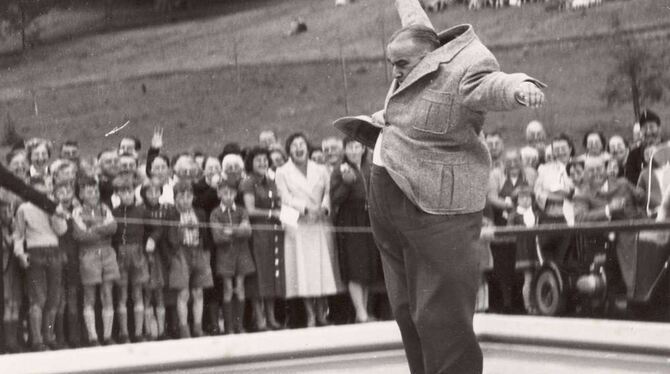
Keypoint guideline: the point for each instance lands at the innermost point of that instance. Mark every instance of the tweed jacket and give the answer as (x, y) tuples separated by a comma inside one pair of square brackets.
[(430, 144)]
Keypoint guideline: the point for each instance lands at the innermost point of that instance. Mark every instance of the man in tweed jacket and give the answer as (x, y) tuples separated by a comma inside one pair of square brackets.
[(429, 181)]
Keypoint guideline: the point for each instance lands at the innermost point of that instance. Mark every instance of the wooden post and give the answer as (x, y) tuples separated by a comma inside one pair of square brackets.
[(383, 45), (23, 26), (343, 65), (238, 79)]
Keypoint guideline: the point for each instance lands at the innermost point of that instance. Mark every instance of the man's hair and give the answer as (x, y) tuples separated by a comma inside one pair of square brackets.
[(69, 143), (136, 140), (600, 134), (107, 150), (332, 140), (563, 137), (648, 116), (420, 34), (86, 181)]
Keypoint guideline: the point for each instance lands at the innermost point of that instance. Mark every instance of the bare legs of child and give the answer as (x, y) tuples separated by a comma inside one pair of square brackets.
[(182, 312)]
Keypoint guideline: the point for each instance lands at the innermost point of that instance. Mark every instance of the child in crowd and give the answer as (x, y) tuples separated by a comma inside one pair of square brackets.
[(36, 246), (231, 231), (11, 280), (94, 226), (64, 194), (189, 265), (129, 244), (526, 249), (157, 260)]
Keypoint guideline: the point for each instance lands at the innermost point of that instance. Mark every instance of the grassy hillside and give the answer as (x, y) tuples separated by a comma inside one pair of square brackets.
[(203, 108), (155, 76), (261, 37)]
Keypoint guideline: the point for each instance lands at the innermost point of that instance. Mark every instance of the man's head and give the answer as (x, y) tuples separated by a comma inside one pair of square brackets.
[(495, 144), (267, 138), (512, 160), (108, 161), (594, 172), (536, 136), (127, 163), (130, 145), (650, 127), (333, 150), (70, 150), (408, 46)]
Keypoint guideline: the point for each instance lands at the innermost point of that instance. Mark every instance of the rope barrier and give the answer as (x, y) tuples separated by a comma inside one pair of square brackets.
[(499, 232)]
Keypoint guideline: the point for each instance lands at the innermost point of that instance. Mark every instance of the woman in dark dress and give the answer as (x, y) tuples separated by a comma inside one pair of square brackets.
[(262, 203), (361, 265)]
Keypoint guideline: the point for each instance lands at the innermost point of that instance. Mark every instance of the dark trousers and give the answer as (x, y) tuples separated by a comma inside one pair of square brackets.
[(431, 273)]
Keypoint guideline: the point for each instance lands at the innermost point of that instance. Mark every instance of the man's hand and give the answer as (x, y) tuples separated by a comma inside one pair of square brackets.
[(530, 95), (157, 138)]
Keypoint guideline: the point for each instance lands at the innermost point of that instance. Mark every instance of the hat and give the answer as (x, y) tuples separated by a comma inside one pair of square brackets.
[(361, 128), (649, 116)]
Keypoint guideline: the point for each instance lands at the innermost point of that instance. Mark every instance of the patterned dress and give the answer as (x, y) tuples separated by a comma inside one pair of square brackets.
[(268, 241)]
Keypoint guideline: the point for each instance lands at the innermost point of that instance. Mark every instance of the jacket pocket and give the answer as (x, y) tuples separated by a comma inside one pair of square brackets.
[(436, 184), (434, 112)]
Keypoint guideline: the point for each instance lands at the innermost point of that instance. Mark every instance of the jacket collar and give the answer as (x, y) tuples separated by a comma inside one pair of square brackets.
[(453, 40)]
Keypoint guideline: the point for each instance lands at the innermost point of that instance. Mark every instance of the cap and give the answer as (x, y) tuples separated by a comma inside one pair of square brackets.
[(361, 128)]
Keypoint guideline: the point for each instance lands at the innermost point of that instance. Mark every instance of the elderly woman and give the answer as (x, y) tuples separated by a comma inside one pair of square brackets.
[(262, 202), (312, 269), (361, 264)]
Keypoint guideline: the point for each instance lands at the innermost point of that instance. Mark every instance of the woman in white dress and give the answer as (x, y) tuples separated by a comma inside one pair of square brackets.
[(312, 271)]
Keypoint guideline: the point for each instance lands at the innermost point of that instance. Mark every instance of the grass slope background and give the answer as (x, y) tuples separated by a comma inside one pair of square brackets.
[(179, 76)]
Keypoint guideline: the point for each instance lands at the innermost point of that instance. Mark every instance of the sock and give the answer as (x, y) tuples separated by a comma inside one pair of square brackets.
[(36, 325), (107, 320), (139, 313), (122, 319), (89, 321), (160, 320), (148, 321)]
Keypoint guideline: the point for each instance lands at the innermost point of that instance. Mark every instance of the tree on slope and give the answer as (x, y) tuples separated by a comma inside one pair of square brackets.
[(640, 74), (17, 15)]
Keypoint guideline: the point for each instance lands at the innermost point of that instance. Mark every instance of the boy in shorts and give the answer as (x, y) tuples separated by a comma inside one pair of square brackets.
[(189, 264), (231, 231), (94, 226), (154, 232), (36, 246), (129, 244)]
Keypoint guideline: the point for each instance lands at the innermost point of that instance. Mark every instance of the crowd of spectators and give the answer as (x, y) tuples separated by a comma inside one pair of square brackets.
[(146, 246), (546, 181)]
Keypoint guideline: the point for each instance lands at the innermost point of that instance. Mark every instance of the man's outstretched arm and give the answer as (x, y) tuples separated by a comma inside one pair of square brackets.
[(411, 13)]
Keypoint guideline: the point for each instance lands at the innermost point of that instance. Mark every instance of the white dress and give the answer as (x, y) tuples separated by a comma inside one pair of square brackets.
[(312, 268)]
